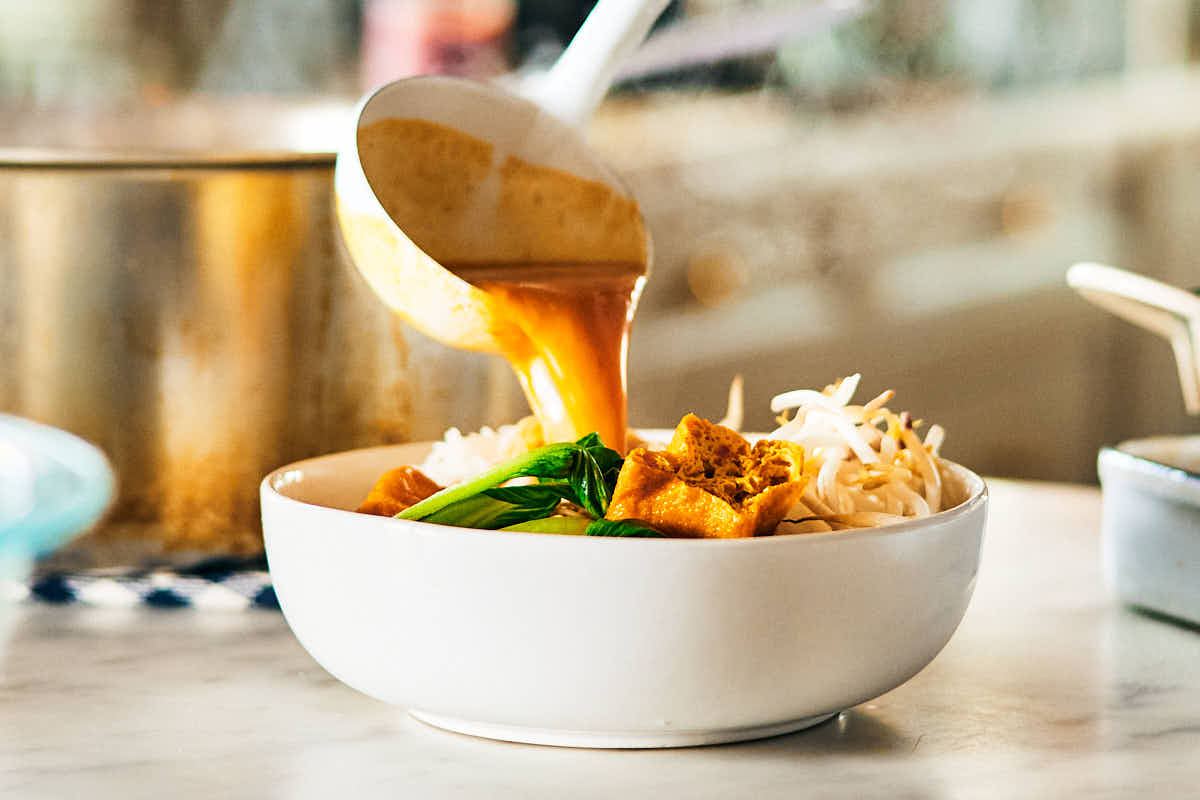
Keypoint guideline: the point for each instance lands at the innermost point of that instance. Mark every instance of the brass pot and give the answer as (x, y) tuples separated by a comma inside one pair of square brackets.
[(190, 310)]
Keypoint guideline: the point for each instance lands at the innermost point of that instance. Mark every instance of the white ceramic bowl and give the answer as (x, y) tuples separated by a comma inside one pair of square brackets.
[(1151, 523), (598, 642)]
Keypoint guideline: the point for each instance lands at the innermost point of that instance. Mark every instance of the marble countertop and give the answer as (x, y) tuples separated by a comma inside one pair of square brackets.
[(1048, 689)]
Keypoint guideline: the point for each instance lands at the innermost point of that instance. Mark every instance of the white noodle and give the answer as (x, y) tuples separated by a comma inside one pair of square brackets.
[(929, 473), (798, 398), (879, 402), (791, 431), (867, 519), (802, 519), (846, 429), (845, 500), (804, 526), (892, 503), (914, 504), (871, 434), (869, 501), (800, 511), (934, 439), (802, 397), (887, 449), (827, 476), (814, 500), (866, 465), (846, 388)]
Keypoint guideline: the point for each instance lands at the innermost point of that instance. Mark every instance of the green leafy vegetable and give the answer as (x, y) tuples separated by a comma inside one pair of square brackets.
[(573, 526), (622, 527), (589, 527), (538, 493), (594, 475), (583, 473), (484, 510)]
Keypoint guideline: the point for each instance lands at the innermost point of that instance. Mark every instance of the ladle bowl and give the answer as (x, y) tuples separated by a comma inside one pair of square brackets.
[(410, 280), (440, 175)]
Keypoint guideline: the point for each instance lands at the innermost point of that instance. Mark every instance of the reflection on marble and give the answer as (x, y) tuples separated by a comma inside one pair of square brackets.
[(1046, 690)]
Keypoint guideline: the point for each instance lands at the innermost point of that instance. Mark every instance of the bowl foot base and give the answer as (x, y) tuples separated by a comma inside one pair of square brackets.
[(615, 739)]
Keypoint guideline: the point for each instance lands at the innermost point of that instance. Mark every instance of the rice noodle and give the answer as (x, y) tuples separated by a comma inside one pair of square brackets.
[(853, 438), (827, 476), (867, 467), (819, 506), (887, 449), (812, 525), (934, 439), (914, 504), (799, 397), (867, 519), (805, 521), (879, 401)]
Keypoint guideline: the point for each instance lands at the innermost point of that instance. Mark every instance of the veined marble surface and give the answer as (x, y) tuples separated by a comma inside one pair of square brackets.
[(1048, 689)]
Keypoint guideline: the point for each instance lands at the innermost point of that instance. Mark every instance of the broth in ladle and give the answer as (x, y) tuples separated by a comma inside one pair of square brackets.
[(554, 262)]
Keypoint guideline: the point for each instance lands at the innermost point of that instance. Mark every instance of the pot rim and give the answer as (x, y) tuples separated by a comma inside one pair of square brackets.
[(62, 158), (206, 131)]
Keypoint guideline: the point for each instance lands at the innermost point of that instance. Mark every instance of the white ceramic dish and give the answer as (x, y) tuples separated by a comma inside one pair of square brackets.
[(1151, 523), (595, 642)]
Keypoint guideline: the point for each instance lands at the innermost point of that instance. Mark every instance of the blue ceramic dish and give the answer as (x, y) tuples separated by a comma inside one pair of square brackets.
[(53, 485)]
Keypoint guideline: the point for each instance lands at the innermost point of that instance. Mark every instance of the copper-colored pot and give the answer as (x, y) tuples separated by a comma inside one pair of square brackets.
[(190, 310)]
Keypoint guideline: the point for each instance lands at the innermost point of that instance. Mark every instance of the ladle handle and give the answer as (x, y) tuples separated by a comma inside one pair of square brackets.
[(1166, 310), (580, 78), (717, 37)]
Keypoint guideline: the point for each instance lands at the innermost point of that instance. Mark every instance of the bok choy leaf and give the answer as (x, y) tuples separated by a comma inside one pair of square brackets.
[(583, 473), (622, 527)]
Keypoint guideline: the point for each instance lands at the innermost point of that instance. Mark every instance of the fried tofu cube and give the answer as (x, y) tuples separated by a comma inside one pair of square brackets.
[(396, 490), (710, 483)]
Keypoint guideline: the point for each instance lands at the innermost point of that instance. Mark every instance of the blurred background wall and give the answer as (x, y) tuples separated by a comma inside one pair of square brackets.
[(898, 195)]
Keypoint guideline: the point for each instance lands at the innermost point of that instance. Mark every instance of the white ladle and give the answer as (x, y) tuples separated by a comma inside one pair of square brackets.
[(1158, 307), (411, 281), (575, 212)]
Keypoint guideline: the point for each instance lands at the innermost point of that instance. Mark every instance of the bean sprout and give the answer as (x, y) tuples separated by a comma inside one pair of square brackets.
[(866, 465)]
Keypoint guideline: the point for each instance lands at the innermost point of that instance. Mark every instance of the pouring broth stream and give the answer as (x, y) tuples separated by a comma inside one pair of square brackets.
[(569, 340)]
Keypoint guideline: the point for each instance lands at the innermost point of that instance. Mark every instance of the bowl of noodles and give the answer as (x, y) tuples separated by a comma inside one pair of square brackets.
[(667, 636)]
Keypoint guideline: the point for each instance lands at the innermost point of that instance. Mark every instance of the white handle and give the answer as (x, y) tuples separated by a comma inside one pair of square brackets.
[(1170, 312), (581, 76)]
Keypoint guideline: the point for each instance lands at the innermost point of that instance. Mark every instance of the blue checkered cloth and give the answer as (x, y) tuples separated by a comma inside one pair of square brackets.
[(222, 583)]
